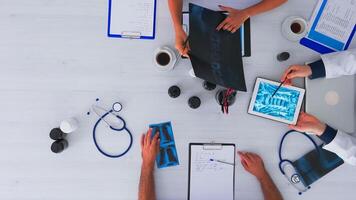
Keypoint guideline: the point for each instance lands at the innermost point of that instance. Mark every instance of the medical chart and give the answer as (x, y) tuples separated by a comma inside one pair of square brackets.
[(134, 17), (337, 19), (209, 179)]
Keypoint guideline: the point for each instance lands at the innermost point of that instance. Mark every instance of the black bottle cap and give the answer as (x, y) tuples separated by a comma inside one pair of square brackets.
[(174, 91), (209, 86), (59, 145), (57, 134), (283, 56), (194, 102)]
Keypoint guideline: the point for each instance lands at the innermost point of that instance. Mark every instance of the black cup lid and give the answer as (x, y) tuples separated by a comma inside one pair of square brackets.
[(58, 146), (194, 102), (56, 134), (283, 56), (174, 91)]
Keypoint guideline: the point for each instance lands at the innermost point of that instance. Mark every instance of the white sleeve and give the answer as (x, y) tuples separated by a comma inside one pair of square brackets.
[(339, 63), (343, 145)]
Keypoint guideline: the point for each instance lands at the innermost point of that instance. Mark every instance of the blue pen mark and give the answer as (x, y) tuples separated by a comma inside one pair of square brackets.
[(88, 113), (97, 99), (282, 105)]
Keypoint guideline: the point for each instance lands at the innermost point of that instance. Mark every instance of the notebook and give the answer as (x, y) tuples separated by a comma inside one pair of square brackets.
[(210, 179)]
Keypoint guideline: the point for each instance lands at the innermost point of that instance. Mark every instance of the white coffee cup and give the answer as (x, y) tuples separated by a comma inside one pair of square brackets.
[(294, 28), (69, 125), (165, 58)]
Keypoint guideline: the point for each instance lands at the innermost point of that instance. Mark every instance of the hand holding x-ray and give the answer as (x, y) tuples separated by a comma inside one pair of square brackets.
[(234, 19)]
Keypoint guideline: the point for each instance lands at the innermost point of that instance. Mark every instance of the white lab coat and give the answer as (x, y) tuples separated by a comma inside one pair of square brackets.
[(339, 64)]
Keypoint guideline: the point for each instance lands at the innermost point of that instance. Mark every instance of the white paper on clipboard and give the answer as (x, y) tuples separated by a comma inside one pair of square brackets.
[(134, 18), (210, 179)]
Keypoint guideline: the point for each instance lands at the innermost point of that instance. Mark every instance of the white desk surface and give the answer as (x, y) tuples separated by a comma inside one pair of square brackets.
[(56, 59)]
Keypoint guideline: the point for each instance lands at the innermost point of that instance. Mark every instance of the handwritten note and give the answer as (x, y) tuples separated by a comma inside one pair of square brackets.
[(210, 179), (132, 17)]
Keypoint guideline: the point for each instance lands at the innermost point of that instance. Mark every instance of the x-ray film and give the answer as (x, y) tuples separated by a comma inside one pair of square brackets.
[(215, 55), (284, 106), (167, 155)]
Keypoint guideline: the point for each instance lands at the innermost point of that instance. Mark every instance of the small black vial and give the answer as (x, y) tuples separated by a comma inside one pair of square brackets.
[(208, 86), (194, 102), (57, 134), (59, 145), (174, 91), (283, 56)]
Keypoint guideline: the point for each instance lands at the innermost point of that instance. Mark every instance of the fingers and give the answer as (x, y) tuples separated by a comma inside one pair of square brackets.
[(155, 139), (235, 29), (148, 137), (296, 127), (180, 49), (142, 141), (225, 8), (185, 52), (244, 164), (288, 82), (286, 72), (222, 24)]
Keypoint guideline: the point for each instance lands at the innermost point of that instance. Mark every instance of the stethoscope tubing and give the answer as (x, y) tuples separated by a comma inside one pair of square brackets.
[(115, 129)]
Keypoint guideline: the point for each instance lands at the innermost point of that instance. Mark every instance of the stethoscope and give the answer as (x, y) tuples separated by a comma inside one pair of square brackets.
[(281, 159), (116, 107), (296, 177)]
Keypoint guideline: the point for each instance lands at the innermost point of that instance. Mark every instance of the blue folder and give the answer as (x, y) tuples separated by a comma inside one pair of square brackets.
[(130, 36)]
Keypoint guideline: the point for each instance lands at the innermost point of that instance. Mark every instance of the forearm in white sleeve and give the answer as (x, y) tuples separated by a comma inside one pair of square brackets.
[(344, 145), (339, 63)]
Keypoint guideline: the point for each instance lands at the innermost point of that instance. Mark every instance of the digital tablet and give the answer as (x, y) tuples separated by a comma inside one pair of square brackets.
[(284, 106)]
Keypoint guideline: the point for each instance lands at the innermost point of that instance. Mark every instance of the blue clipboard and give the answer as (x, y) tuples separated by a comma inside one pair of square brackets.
[(132, 34), (322, 43)]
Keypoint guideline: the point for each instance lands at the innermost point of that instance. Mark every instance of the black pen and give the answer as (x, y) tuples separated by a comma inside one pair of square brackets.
[(185, 45), (280, 85)]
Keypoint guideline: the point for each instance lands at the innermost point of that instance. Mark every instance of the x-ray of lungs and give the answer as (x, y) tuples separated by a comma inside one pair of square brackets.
[(215, 55)]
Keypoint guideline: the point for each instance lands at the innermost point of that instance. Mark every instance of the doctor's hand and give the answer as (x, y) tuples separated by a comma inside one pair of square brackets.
[(253, 163), (309, 123), (295, 71), (182, 45), (150, 148), (234, 20)]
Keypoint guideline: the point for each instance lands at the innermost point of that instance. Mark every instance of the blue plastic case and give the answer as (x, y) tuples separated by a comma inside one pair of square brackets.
[(167, 155)]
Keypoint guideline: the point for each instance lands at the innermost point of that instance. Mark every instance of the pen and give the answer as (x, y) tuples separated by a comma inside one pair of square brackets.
[(280, 85), (185, 45), (185, 42), (220, 161)]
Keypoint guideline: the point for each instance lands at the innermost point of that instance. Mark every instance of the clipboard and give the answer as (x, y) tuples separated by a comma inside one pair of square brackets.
[(245, 33), (323, 43), (140, 23), (210, 179)]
